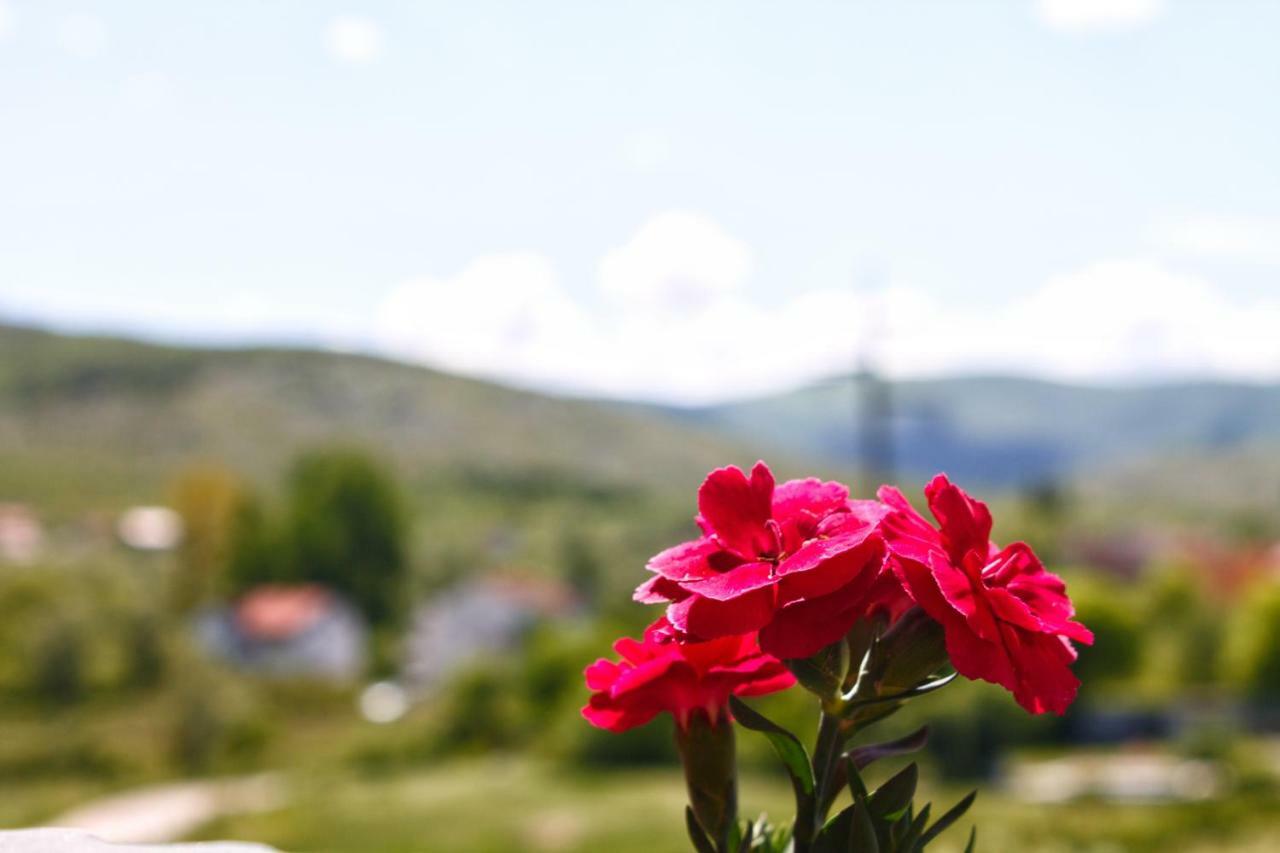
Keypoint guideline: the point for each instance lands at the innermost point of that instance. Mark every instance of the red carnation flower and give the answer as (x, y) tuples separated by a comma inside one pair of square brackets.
[(799, 562), (656, 674), (1007, 620)]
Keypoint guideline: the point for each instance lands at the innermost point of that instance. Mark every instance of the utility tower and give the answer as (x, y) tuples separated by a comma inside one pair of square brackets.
[(873, 406)]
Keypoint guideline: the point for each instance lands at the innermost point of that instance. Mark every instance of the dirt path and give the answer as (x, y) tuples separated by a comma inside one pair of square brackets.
[(171, 812)]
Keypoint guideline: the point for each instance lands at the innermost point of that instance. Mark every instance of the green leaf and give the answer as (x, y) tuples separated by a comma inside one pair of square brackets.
[(908, 842), (890, 800), (823, 674), (953, 814), (856, 786), (844, 773), (696, 834), (837, 835), (919, 690), (863, 834), (973, 839), (863, 756), (787, 745)]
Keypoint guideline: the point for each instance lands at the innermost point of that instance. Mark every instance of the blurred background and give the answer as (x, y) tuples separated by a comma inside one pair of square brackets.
[(355, 356)]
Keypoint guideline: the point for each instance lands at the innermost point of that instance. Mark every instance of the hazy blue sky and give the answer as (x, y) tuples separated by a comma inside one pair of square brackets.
[(676, 200)]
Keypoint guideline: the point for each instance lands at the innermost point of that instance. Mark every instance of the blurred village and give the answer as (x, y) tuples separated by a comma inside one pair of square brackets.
[(343, 618)]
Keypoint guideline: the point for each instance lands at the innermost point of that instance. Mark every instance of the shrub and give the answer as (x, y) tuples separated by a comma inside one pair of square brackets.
[(59, 665), (1254, 646)]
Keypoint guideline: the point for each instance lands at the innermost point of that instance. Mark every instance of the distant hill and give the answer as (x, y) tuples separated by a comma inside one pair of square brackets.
[(999, 431), (93, 423)]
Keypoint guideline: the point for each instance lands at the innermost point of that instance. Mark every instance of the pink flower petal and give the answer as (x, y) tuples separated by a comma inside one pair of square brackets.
[(738, 509), (965, 523), (811, 495), (729, 585), (686, 561)]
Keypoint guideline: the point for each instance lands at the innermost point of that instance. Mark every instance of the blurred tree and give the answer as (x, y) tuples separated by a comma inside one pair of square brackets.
[(258, 551), (59, 667), (1117, 649), (582, 567), (347, 528), (208, 497), (1042, 513), (1254, 645), (1184, 630), (144, 650)]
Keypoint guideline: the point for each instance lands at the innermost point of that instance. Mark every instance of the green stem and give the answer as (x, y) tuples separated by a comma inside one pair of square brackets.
[(825, 754), (710, 768)]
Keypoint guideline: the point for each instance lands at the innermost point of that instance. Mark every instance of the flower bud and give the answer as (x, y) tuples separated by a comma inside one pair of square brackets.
[(710, 769), (823, 673), (908, 653)]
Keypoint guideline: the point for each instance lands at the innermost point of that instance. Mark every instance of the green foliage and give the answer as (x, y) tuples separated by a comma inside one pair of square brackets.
[(347, 528), (58, 668), (216, 722), (209, 498), (145, 655), (1254, 645), (1182, 632), (482, 714), (583, 569), (971, 727), (1111, 614), (788, 747), (68, 632), (258, 551)]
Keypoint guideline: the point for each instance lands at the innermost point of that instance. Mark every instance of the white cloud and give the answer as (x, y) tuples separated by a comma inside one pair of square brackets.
[(677, 260), (675, 323), (353, 39), (502, 316), (82, 35), (1231, 238), (1123, 319), (1084, 16)]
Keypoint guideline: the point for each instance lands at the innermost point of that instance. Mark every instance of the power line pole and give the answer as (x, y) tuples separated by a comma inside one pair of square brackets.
[(873, 406)]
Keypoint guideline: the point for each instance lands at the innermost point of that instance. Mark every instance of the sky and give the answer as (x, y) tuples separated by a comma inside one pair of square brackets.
[(683, 201)]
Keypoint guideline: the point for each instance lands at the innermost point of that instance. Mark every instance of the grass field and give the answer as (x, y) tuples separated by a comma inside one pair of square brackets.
[(512, 804)]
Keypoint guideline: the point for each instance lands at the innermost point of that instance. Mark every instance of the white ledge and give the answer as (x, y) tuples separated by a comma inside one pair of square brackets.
[(79, 841)]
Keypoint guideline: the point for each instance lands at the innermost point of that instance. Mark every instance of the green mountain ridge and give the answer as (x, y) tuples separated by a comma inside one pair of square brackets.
[(97, 422), (1004, 431), (92, 423)]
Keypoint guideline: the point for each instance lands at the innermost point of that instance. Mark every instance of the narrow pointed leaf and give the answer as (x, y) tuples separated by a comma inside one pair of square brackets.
[(699, 838), (919, 690), (973, 839), (843, 774), (863, 756), (856, 786), (890, 800), (863, 834), (911, 840), (953, 814), (836, 836), (787, 745)]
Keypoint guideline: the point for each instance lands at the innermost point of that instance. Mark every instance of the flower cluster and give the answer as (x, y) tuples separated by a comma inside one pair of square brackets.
[(800, 578), (656, 675)]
